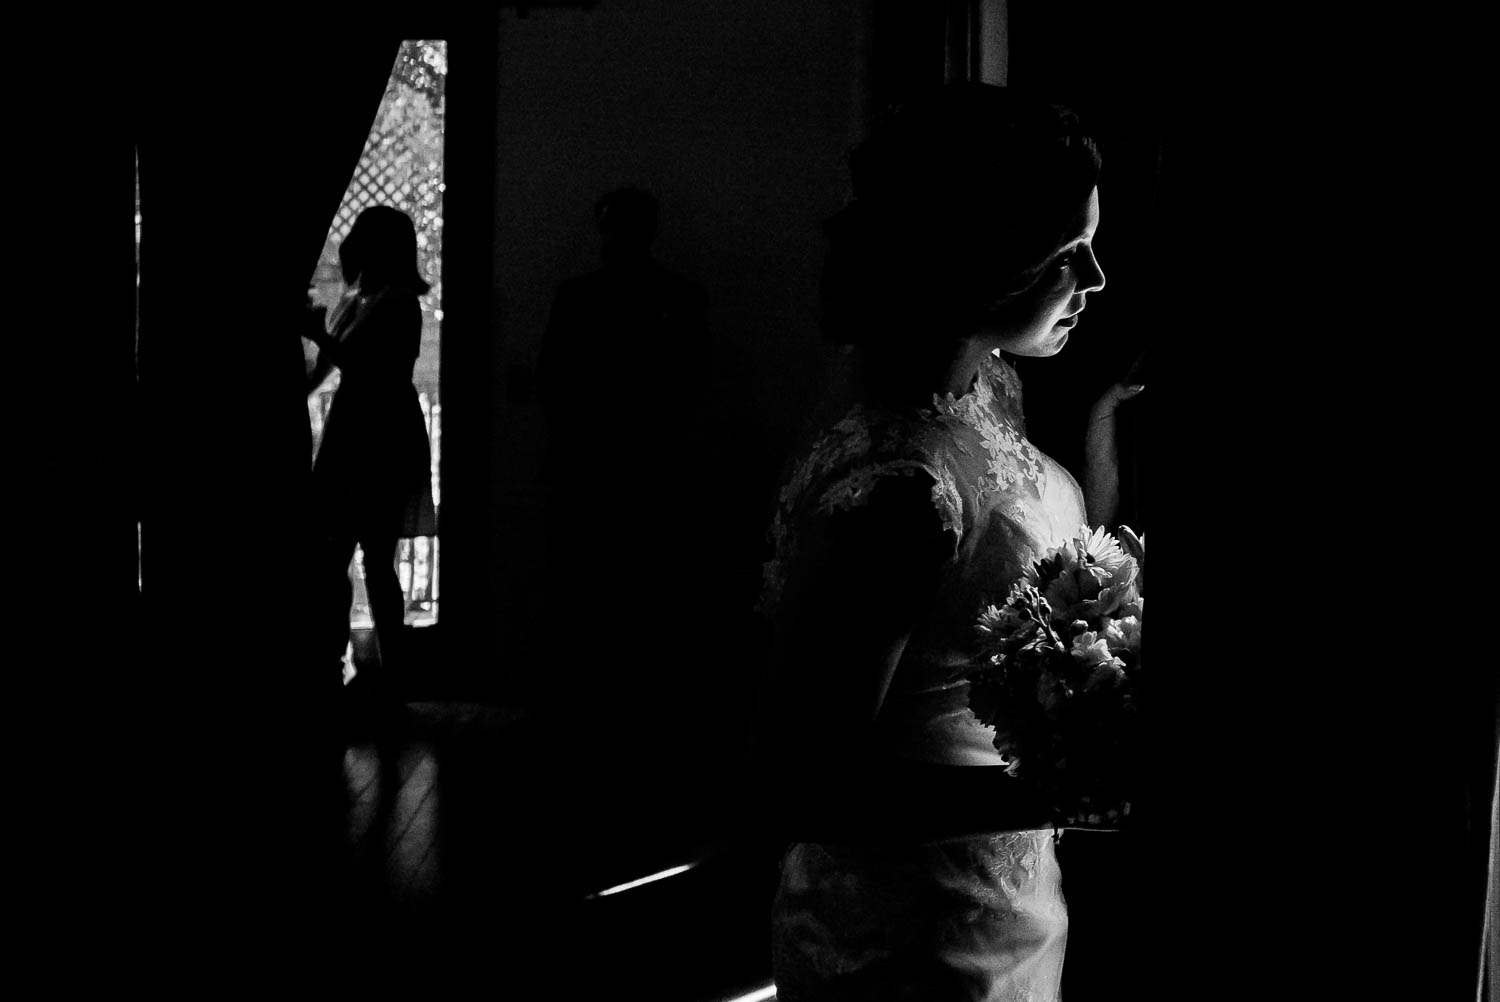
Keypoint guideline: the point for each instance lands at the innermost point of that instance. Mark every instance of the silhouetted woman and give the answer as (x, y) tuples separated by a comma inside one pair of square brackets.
[(373, 465), (919, 869)]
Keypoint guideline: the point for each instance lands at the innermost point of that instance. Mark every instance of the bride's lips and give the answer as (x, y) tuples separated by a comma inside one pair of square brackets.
[(1069, 321)]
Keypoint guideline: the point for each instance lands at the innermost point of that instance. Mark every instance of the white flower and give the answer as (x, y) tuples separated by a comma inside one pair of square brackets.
[(1108, 675), (1101, 548), (1093, 649), (1000, 620), (1123, 634), (1121, 597)]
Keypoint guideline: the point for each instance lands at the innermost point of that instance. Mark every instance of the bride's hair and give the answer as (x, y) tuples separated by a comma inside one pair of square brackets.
[(960, 199)]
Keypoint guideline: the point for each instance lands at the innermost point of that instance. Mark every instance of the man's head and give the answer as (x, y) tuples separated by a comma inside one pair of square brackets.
[(627, 225)]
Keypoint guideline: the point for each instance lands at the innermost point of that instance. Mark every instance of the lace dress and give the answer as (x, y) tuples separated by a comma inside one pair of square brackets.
[(971, 918)]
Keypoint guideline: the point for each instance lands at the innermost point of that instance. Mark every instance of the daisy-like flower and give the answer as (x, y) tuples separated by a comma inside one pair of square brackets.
[(1101, 548), (1073, 593), (999, 619), (1035, 612), (1024, 600), (1118, 597), (1088, 577), (1001, 630), (1129, 603), (1054, 564)]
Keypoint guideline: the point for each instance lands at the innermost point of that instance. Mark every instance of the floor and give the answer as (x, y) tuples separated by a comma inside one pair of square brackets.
[(460, 838), (481, 839)]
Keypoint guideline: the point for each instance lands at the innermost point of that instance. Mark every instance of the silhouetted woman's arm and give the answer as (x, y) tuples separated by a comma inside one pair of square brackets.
[(382, 332)]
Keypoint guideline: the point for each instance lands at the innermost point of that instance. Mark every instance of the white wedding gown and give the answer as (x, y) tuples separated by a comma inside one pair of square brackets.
[(974, 918)]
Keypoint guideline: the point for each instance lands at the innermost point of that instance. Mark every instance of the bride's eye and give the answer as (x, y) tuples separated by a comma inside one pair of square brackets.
[(1059, 268)]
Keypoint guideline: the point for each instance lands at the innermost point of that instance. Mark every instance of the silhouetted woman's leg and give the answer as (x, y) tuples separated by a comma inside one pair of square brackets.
[(387, 603), (336, 595)]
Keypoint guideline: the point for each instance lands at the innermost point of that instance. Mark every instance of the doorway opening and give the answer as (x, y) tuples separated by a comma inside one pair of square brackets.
[(401, 166)]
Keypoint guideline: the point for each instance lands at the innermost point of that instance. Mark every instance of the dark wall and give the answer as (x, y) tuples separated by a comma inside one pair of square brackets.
[(1106, 63), (738, 118)]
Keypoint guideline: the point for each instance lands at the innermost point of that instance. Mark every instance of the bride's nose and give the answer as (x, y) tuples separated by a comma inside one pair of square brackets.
[(1090, 275)]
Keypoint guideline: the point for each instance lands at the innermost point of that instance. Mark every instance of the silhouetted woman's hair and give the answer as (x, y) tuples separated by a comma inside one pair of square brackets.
[(381, 250), (632, 213), (960, 199)]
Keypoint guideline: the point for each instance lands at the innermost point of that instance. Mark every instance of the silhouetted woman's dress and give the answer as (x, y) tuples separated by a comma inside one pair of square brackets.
[(969, 918), (372, 470)]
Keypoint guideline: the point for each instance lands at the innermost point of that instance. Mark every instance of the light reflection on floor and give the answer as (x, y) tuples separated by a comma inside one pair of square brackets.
[(398, 824)]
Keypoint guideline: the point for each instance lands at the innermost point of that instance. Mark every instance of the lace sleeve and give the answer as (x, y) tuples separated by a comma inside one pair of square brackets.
[(856, 488), (913, 493)]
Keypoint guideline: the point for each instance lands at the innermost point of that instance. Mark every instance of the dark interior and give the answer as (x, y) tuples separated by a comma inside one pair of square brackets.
[(543, 761)]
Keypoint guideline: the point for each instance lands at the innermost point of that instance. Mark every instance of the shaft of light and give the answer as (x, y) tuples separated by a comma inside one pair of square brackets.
[(663, 875), (759, 995)]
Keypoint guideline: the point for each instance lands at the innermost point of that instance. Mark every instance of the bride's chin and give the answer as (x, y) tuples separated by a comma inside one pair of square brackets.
[(1045, 350)]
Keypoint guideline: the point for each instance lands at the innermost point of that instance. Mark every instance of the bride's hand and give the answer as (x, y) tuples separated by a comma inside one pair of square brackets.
[(1126, 389), (1109, 402)]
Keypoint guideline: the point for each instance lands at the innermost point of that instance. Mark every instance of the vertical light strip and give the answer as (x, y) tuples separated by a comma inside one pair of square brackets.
[(994, 43)]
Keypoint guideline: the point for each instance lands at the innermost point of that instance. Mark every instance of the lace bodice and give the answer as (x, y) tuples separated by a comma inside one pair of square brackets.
[(1002, 504)]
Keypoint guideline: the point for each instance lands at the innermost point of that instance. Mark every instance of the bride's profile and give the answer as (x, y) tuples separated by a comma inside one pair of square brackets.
[(917, 868)]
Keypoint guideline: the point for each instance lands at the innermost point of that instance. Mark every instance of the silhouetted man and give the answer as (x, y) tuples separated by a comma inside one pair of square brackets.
[(630, 335), (623, 369)]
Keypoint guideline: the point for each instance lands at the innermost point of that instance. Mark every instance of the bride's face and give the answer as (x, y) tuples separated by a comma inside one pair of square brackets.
[(1037, 322)]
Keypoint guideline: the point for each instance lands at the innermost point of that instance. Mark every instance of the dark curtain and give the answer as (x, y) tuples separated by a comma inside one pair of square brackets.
[(247, 131), (1313, 829)]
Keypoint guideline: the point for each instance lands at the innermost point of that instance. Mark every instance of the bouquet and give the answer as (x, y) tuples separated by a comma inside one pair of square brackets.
[(1057, 673)]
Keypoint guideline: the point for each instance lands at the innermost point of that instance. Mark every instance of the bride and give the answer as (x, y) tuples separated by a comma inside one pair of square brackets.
[(919, 869)]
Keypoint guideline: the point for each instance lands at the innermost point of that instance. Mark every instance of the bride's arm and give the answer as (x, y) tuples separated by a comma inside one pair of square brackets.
[(1101, 469), (845, 619), (837, 652)]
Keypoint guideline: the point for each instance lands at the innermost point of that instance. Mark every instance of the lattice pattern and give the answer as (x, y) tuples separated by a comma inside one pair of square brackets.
[(401, 165), (379, 181)]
